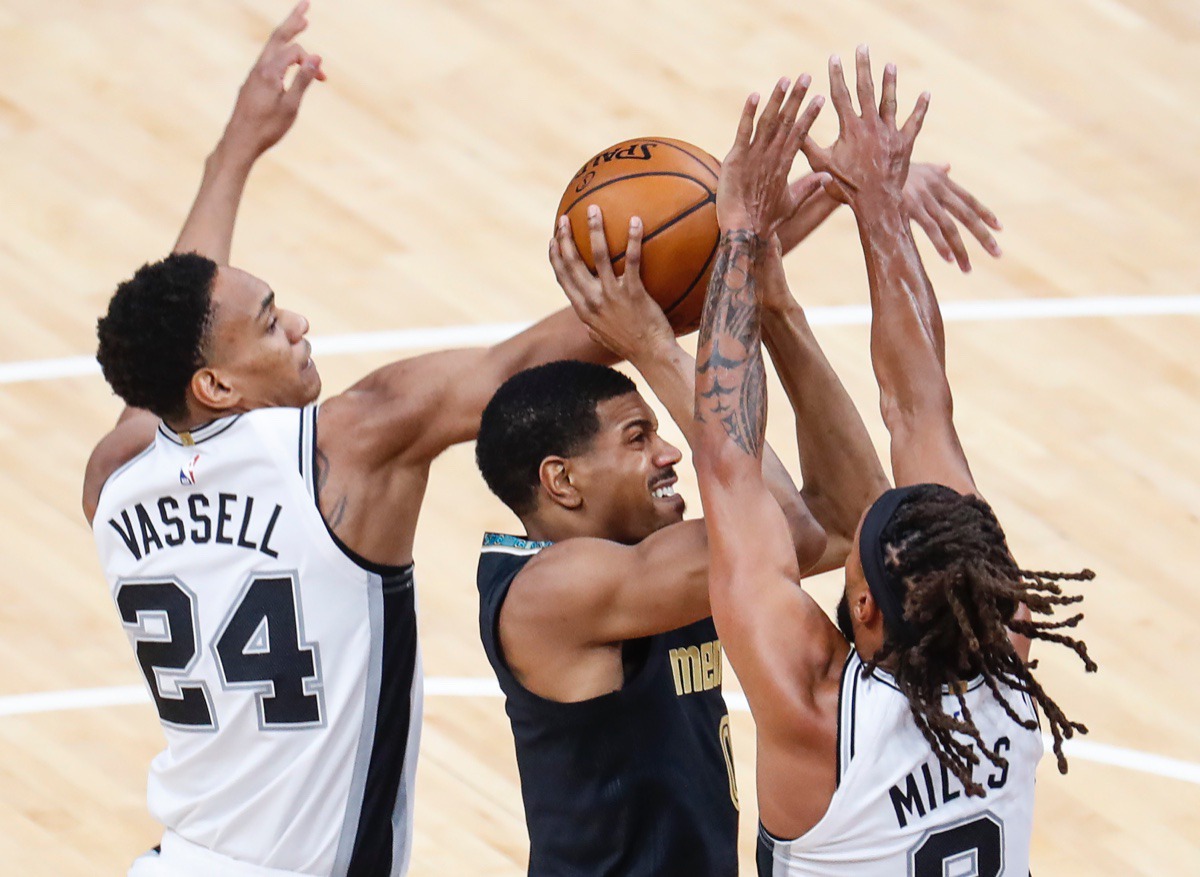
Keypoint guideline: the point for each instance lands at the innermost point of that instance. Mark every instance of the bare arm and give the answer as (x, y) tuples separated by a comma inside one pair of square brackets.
[(264, 112), (777, 638), (908, 345), (842, 473), (412, 410), (869, 162), (619, 313), (584, 592)]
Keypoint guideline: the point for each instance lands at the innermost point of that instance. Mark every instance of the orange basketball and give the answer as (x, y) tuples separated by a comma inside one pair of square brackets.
[(672, 186)]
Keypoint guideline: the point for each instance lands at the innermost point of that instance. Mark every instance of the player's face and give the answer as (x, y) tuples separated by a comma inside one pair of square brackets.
[(258, 349), (627, 477)]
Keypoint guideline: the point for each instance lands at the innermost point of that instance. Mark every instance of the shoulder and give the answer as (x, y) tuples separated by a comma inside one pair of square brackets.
[(572, 577), (372, 425), (131, 436), (571, 565)]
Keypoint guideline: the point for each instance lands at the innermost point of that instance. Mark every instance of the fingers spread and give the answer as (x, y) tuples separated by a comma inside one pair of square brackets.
[(791, 107), (838, 92), (800, 128), (950, 232), (600, 257), (913, 126), (866, 85), (975, 205), (563, 273), (745, 124), (769, 121), (818, 156), (633, 249), (933, 231), (970, 218), (808, 117), (568, 253), (887, 100), (569, 268)]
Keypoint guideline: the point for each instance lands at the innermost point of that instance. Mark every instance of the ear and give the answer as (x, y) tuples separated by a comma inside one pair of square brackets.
[(555, 476), (211, 390), (865, 609)]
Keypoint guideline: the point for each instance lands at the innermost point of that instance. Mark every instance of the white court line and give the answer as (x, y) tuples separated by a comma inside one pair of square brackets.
[(471, 686), (840, 315)]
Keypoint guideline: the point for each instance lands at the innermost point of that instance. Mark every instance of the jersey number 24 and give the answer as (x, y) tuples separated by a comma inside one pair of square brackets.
[(259, 646)]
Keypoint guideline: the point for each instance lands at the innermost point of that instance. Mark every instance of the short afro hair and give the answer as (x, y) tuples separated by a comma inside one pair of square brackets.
[(548, 410), (152, 339)]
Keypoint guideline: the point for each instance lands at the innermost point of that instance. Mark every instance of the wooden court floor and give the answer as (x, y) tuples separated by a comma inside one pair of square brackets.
[(418, 190)]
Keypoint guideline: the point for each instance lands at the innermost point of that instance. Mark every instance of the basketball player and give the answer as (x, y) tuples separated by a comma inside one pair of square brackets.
[(908, 744), (259, 548), (596, 620)]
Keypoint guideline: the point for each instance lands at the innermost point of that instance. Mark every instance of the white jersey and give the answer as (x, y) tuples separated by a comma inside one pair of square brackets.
[(285, 669), (897, 811)]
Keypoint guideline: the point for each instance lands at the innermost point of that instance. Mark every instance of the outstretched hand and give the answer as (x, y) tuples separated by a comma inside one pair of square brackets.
[(871, 153), (618, 311), (266, 105), (753, 191), (939, 205)]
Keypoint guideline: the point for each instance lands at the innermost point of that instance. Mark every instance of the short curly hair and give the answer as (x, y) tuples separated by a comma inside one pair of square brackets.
[(153, 337), (548, 410)]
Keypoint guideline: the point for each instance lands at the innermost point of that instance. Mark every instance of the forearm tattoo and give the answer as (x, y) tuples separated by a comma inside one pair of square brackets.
[(730, 376)]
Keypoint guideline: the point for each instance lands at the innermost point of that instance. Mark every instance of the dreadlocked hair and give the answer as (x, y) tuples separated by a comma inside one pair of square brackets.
[(963, 591)]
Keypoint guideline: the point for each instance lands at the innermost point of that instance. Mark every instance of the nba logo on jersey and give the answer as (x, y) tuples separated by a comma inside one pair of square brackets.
[(187, 474)]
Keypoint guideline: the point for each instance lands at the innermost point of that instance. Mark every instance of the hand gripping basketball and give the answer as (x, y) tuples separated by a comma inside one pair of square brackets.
[(618, 311), (672, 187)]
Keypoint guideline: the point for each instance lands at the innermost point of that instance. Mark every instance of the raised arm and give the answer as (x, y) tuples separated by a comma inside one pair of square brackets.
[(842, 474), (263, 113), (777, 638), (619, 313), (868, 163), (410, 411), (265, 110)]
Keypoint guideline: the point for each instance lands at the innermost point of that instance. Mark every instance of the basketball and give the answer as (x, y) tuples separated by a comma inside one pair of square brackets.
[(672, 186)]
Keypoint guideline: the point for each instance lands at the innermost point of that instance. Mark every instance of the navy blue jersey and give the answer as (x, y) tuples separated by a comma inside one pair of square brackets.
[(635, 782)]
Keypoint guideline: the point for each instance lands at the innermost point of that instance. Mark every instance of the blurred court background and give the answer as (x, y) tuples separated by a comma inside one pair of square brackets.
[(417, 193)]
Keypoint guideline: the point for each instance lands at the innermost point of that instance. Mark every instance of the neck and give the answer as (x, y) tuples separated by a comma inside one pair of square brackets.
[(556, 526), (198, 415), (193, 420)]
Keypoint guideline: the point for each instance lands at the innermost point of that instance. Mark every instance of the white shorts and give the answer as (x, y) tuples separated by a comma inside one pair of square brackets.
[(182, 858)]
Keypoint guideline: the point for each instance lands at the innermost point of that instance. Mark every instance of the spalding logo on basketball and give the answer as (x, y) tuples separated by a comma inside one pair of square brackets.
[(672, 186)]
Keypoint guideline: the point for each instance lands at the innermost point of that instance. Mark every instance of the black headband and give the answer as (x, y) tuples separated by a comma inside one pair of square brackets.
[(887, 590)]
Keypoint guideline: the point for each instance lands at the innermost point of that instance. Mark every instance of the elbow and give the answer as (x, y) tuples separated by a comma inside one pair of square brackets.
[(718, 459), (811, 542)]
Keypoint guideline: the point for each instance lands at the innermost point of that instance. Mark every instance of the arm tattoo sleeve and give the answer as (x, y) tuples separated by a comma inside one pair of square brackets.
[(730, 376)]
